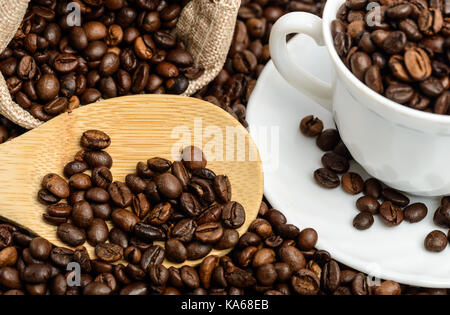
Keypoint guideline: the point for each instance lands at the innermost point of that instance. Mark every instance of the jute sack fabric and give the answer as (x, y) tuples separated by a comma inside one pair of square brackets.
[(205, 26)]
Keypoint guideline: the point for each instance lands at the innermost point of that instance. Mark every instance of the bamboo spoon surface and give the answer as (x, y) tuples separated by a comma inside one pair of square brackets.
[(141, 127)]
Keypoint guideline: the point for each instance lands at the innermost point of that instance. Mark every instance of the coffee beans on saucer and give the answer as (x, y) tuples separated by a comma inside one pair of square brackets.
[(181, 203), (399, 49), (390, 205)]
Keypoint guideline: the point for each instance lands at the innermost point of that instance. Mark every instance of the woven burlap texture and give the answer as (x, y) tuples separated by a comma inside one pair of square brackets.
[(205, 26), (11, 15)]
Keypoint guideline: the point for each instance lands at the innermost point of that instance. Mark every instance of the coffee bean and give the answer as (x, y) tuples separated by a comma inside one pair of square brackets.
[(71, 234), (436, 241), (352, 183), (124, 219), (326, 178), (197, 250), (209, 232), (335, 162), (368, 204), (229, 239), (120, 194), (305, 282), (168, 185), (175, 251), (359, 285), (307, 239), (97, 194), (328, 139), (152, 256), (95, 140), (363, 220), (442, 216), (415, 212), (101, 177), (311, 126), (233, 215), (40, 248), (372, 188), (148, 232), (75, 167), (388, 288), (222, 187), (118, 237), (97, 159), (62, 210), (160, 214), (395, 197), (184, 230), (193, 158), (136, 184), (80, 181), (391, 214), (56, 185), (108, 252)]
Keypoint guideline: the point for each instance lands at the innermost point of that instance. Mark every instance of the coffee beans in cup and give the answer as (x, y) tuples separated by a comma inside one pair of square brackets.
[(399, 49)]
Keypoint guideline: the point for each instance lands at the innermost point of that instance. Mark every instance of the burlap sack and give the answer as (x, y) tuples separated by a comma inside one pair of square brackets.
[(205, 26)]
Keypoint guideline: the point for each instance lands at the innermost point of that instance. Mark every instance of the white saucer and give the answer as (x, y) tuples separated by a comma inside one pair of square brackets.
[(394, 253)]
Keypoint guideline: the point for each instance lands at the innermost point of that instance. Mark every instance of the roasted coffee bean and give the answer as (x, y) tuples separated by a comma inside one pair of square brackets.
[(210, 215), (311, 126), (65, 63), (136, 184), (204, 173), (233, 215), (307, 239), (293, 257), (97, 232), (148, 233), (108, 252), (154, 255), (118, 237), (95, 140), (326, 178), (359, 63), (328, 139), (101, 177), (97, 159), (305, 282), (335, 162), (180, 172), (203, 189), (40, 248), (436, 241), (395, 197), (62, 210), (175, 251), (197, 250), (184, 230), (159, 165), (47, 197), (75, 167), (124, 219), (141, 206), (415, 212), (229, 239), (352, 183), (97, 194), (372, 188), (56, 106), (37, 273), (80, 181), (193, 158), (56, 185), (209, 232), (96, 288), (160, 214), (222, 187), (168, 185), (391, 214), (368, 204), (442, 216), (71, 235), (120, 194), (363, 220)]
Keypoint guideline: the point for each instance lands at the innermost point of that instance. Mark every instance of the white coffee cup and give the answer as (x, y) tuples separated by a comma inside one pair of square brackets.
[(405, 148)]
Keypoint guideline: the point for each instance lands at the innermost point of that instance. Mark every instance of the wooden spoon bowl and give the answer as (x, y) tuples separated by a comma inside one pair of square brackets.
[(141, 127)]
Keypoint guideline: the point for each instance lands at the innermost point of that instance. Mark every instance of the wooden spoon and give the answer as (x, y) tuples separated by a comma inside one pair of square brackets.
[(141, 127)]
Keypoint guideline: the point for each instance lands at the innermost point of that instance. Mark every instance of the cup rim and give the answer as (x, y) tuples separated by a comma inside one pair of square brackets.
[(328, 16)]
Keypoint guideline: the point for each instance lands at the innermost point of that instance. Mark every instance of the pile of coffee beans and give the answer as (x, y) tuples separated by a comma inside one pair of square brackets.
[(272, 258), (121, 47), (183, 203), (249, 52), (400, 49), (392, 206)]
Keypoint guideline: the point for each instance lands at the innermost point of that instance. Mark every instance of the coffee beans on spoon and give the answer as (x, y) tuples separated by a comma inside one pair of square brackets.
[(182, 203)]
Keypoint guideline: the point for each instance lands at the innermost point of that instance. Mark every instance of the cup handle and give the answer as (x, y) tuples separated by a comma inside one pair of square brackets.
[(303, 23)]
